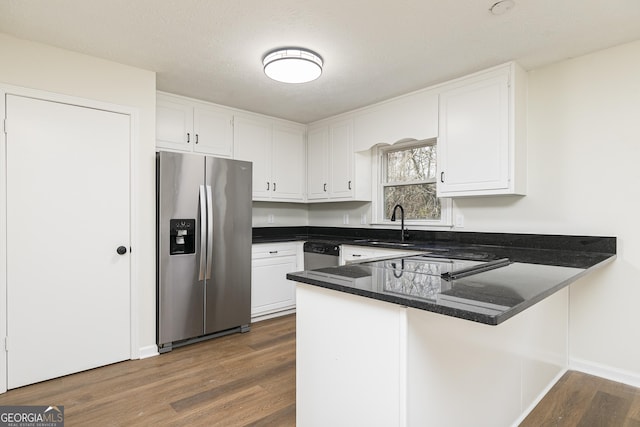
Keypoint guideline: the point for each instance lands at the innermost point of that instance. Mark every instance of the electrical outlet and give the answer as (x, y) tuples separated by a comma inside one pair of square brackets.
[(459, 221), (345, 219), (270, 219), (363, 219)]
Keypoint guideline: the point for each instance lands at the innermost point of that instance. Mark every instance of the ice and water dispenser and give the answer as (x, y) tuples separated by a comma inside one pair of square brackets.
[(182, 236)]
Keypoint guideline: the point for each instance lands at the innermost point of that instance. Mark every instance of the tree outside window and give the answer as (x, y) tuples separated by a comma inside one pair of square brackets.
[(409, 179)]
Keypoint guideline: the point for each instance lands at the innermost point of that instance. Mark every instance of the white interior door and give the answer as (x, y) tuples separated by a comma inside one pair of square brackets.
[(68, 290)]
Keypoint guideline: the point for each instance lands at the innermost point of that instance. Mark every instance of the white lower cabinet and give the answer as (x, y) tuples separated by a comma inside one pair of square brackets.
[(271, 293), (354, 253)]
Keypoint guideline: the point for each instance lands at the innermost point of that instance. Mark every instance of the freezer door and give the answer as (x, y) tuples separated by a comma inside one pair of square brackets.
[(228, 287), (180, 186)]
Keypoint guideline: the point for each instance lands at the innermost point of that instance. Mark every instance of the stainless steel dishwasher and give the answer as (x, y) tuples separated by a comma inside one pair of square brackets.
[(320, 255)]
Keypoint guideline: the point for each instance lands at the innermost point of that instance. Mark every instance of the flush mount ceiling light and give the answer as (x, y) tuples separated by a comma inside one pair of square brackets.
[(502, 7), (292, 65)]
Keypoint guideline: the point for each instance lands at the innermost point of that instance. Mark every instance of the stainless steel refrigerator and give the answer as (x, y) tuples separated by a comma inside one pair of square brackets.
[(203, 248)]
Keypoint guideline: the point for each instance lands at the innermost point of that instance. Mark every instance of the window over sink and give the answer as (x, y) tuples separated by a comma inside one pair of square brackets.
[(407, 176)]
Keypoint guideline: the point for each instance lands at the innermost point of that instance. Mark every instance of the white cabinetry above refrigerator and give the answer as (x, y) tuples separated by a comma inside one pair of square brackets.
[(277, 150), (184, 124)]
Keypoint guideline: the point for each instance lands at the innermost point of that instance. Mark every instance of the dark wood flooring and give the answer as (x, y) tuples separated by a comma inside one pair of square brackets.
[(237, 380), (581, 400), (249, 380)]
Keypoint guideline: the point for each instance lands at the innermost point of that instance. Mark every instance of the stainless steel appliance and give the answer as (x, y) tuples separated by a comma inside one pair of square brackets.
[(203, 248), (320, 255)]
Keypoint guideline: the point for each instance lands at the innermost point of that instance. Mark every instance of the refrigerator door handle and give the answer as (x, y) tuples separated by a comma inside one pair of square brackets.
[(203, 232), (209, 231)]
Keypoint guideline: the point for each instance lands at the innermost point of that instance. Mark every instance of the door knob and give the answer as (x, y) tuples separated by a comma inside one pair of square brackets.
[(121, 250)]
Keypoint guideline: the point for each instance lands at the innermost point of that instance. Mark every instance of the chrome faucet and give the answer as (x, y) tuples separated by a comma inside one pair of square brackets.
[(404, 234)]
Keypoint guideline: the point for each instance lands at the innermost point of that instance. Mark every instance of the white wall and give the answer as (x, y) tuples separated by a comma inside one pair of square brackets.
[(42, 67), (282, 214), (333, 214), (583, 177)]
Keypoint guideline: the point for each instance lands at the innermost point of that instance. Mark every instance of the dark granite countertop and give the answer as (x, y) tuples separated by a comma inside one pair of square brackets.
[(539, 265)]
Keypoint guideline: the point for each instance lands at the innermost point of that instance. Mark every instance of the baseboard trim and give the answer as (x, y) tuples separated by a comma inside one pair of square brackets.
[(149, 351), (537, 400), (606, 372), (272, 315)]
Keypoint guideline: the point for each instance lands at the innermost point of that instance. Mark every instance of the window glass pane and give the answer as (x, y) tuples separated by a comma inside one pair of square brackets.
[(418, 163), (419, 201)]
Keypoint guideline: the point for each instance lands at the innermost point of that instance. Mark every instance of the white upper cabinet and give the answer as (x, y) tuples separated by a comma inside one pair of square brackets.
[(341, 179), (482, 141), (193, 126), (318, 163), (252, 142), (277, 151), (335, 171), (288, 161), (413, 116)]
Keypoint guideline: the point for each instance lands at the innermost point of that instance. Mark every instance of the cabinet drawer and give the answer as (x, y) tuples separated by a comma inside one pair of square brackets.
[(270, 250), (360, 253)]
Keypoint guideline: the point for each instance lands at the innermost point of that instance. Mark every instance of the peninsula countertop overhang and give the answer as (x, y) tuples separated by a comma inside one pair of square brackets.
[(489, 297)]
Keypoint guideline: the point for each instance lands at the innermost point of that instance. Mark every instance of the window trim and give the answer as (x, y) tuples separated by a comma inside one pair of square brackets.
[(379, 172)]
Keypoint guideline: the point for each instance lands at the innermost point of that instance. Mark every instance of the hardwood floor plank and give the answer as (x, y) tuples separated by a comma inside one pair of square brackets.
[(249, 380), (285, 417), (140, 392), (579, 399), (258, 375), (605, 409)]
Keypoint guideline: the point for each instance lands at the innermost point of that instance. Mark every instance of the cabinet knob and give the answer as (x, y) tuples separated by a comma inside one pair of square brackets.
[(188, 137), (121, 250), (325, 187), (441, 176), (267, 185), (349, 185), (274, 186), (196, 138)]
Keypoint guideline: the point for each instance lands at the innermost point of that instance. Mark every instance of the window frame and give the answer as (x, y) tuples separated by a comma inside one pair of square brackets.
[(379, 169)]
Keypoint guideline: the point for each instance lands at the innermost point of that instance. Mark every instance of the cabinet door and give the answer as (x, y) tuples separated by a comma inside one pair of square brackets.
[(353, 254), (252, 142), (174, 123), (318, 163), (287, 162), (213, 131), (270, 289), (473, 149), (341, 160)]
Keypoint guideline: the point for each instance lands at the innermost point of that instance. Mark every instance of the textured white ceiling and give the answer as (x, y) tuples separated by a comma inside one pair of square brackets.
[(373, 49)]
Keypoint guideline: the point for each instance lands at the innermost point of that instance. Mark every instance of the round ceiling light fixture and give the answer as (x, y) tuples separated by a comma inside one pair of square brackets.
[(502, 7), (292, 65)]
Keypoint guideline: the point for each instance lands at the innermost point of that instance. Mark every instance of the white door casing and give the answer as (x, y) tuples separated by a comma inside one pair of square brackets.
[(68, 208)]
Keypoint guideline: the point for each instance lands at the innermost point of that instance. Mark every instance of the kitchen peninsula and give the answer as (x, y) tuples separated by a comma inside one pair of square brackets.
[(406, 342)]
